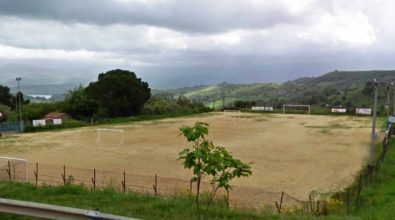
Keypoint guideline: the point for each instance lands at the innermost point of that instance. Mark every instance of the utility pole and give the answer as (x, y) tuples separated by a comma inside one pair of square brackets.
[(19, 102), (388, 101), (372, 158), (393, 83)]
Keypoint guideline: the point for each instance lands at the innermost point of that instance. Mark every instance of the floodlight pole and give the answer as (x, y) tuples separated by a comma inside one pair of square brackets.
[(19, 102), (373, 137), (223, 99)]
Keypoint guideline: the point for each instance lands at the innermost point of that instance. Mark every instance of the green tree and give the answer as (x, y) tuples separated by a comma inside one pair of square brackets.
[(207, 160), (119, 92), (4, 111), (15, 100), (78, 104), (368, 89), (39, 110), (5, 96)]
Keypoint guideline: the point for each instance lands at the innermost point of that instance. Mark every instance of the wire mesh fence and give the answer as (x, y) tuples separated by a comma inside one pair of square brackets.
[(238, 197), (46, 174)]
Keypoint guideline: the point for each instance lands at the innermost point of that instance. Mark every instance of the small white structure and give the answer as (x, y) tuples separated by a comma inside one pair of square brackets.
[(262, 108), (269, 108), (57, 121), (39, 123), (339, 110), (258, 108), (363, 111)]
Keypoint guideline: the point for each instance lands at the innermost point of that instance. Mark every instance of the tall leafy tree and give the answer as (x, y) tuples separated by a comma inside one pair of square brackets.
[(119, 92), (78, 104)]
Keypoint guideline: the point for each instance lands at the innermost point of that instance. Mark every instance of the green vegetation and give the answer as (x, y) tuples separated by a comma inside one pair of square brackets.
[(118, 93), (377, 201), (118, 96), (207, 160), (340, 88), (132, 204)]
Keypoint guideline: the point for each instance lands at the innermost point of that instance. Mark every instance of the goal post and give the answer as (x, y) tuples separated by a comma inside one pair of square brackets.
[(15, 169), (109, 135), (308, 107)]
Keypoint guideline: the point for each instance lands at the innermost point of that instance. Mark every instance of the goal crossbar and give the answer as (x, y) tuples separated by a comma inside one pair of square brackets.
[(99, 130), (292, 105)]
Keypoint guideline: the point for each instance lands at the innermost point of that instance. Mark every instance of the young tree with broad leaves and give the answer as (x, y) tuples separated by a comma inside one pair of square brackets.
[(208, 160)]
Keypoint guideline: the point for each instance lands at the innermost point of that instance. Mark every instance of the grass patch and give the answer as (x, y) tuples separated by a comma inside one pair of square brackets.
[(137, 205), (377, 200)]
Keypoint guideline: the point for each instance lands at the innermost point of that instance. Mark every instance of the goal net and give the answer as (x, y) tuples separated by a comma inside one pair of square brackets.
[(109, 136), (297, 108), (13, 169)]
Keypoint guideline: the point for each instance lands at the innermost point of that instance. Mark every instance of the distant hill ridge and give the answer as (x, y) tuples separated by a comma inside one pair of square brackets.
[(338, 88)]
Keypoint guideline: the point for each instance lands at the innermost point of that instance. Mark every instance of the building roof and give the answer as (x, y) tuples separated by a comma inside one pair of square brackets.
[(55, 115)]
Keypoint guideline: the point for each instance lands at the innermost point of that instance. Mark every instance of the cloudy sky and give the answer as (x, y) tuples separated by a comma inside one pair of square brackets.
[(172, 43)]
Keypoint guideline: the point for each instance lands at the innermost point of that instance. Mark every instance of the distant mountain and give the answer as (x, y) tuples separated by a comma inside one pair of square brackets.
[(39, 80), (339, 88)]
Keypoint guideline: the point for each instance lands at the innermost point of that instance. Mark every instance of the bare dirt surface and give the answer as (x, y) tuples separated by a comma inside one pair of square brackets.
[(292, 153)]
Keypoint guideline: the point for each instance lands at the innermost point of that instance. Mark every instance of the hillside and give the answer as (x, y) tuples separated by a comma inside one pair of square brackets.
[(339, 88), (41, 80)]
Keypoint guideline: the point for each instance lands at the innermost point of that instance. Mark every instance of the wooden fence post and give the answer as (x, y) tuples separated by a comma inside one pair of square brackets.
[(359, 187), (124, 182), (64, 174), (94, 178), (278, 207), (155, 185), (9, 171), (36, 174), (281, 200), (190, 187), (311, 204)]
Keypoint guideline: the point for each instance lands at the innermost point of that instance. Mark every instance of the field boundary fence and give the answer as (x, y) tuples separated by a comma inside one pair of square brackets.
[(10, 127), (350, 196), (238, 197)]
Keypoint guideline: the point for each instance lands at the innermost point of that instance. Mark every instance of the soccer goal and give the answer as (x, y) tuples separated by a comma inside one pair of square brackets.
[(298, 107), (13, 169), (109, 136)]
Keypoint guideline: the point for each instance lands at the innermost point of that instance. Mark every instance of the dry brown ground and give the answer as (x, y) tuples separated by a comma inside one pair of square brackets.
[(292, 153)]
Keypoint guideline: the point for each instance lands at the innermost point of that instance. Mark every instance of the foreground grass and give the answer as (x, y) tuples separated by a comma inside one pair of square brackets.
[(131, 204), (377, 201)]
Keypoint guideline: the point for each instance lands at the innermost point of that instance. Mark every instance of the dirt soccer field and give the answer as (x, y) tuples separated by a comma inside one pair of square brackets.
[(292, 153)]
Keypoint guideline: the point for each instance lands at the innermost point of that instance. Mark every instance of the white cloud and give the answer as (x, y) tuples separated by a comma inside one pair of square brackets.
[(344, 27)]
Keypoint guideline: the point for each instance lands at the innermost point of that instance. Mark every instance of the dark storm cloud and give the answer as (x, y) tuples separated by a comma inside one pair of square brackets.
[(187, 15)]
